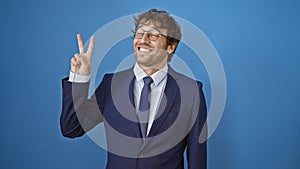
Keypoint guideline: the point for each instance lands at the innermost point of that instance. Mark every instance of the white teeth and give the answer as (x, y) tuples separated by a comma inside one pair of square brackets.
[(144, 50)]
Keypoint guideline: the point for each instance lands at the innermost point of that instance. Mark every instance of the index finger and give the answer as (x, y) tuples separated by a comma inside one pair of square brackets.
[(80, 44), (91, 46)]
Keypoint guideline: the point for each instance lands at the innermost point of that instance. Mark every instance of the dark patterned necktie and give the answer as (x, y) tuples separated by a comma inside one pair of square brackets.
[(144, 107)]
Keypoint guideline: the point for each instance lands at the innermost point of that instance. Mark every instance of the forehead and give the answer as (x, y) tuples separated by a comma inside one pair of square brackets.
[(151, 25)]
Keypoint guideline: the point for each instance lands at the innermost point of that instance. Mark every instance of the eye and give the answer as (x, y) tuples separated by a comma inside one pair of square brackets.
[(139, 35), (153, 35)]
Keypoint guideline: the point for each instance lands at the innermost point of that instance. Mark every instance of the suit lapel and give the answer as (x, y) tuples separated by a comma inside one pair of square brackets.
[(131, 97), (123, 98)]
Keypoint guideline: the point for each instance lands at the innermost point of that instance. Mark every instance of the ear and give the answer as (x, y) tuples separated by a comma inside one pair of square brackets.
[(171, 47)]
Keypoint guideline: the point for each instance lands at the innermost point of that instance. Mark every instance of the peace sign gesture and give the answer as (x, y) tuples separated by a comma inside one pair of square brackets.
[(81, 63)]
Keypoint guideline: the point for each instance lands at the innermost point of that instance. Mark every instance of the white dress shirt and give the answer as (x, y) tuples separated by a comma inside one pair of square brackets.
[(157, 88)]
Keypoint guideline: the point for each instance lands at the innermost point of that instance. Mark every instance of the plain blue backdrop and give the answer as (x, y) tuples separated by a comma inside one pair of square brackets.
[(258, 43)]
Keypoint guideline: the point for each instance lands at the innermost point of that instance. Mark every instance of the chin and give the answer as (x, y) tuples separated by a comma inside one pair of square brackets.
[(142, 58), (143, 61)]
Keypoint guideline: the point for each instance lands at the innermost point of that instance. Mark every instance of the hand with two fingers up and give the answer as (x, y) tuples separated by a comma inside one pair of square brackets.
[(81, 63)]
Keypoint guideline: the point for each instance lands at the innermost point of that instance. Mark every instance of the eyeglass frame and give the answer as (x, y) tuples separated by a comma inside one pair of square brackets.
[(149, 34)]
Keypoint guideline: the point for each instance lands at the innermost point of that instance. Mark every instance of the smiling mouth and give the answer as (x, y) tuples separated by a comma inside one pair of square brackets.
[(141, 49)]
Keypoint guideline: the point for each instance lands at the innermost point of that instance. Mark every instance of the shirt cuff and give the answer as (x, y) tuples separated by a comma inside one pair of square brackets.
[(77, 78)]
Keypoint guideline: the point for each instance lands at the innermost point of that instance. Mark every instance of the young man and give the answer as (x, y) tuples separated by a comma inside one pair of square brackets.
[(150, 112)]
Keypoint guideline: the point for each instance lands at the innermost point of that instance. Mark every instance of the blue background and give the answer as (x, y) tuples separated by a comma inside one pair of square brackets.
[(258, 43)]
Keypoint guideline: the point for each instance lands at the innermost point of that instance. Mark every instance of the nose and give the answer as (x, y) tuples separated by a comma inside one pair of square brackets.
[(145, 38)]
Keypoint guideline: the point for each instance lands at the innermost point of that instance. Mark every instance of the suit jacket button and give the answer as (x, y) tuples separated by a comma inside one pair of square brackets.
[(141, 155)]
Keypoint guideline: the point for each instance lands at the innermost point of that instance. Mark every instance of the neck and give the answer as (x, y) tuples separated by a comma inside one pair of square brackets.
[(149, 70)]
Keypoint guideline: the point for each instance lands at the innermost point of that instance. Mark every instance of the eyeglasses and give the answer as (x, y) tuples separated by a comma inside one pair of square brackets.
[(152, 34)]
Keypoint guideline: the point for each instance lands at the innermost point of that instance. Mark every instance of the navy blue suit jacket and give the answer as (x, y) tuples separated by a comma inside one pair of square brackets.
[(179, 121)]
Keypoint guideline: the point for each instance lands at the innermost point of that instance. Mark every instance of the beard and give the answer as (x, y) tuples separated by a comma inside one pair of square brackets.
[(153, 59)]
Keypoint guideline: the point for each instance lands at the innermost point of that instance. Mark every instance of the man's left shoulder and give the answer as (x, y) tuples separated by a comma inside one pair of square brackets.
[(184, 79)]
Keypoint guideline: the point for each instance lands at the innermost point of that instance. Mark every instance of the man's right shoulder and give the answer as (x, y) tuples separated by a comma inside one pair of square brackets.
[(120, 74)]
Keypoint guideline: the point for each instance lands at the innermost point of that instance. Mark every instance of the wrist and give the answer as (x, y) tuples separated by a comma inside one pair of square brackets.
[(78, 78)]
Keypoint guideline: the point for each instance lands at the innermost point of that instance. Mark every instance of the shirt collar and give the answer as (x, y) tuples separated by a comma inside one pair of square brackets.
[(157, 76)]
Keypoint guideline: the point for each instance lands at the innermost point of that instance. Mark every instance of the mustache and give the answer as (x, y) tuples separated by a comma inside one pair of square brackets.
[(144, 45)]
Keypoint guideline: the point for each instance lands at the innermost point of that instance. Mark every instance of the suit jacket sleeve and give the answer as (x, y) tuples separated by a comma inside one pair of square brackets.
[(80, 114), (196, 151)]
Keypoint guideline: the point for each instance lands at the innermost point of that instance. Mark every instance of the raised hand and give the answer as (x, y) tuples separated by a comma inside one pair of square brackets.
[(81, 63)]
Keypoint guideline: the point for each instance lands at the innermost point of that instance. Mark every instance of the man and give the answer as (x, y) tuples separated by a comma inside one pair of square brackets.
[(150, 112)]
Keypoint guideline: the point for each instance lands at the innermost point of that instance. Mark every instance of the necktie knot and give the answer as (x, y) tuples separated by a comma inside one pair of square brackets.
[(147, 80)]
